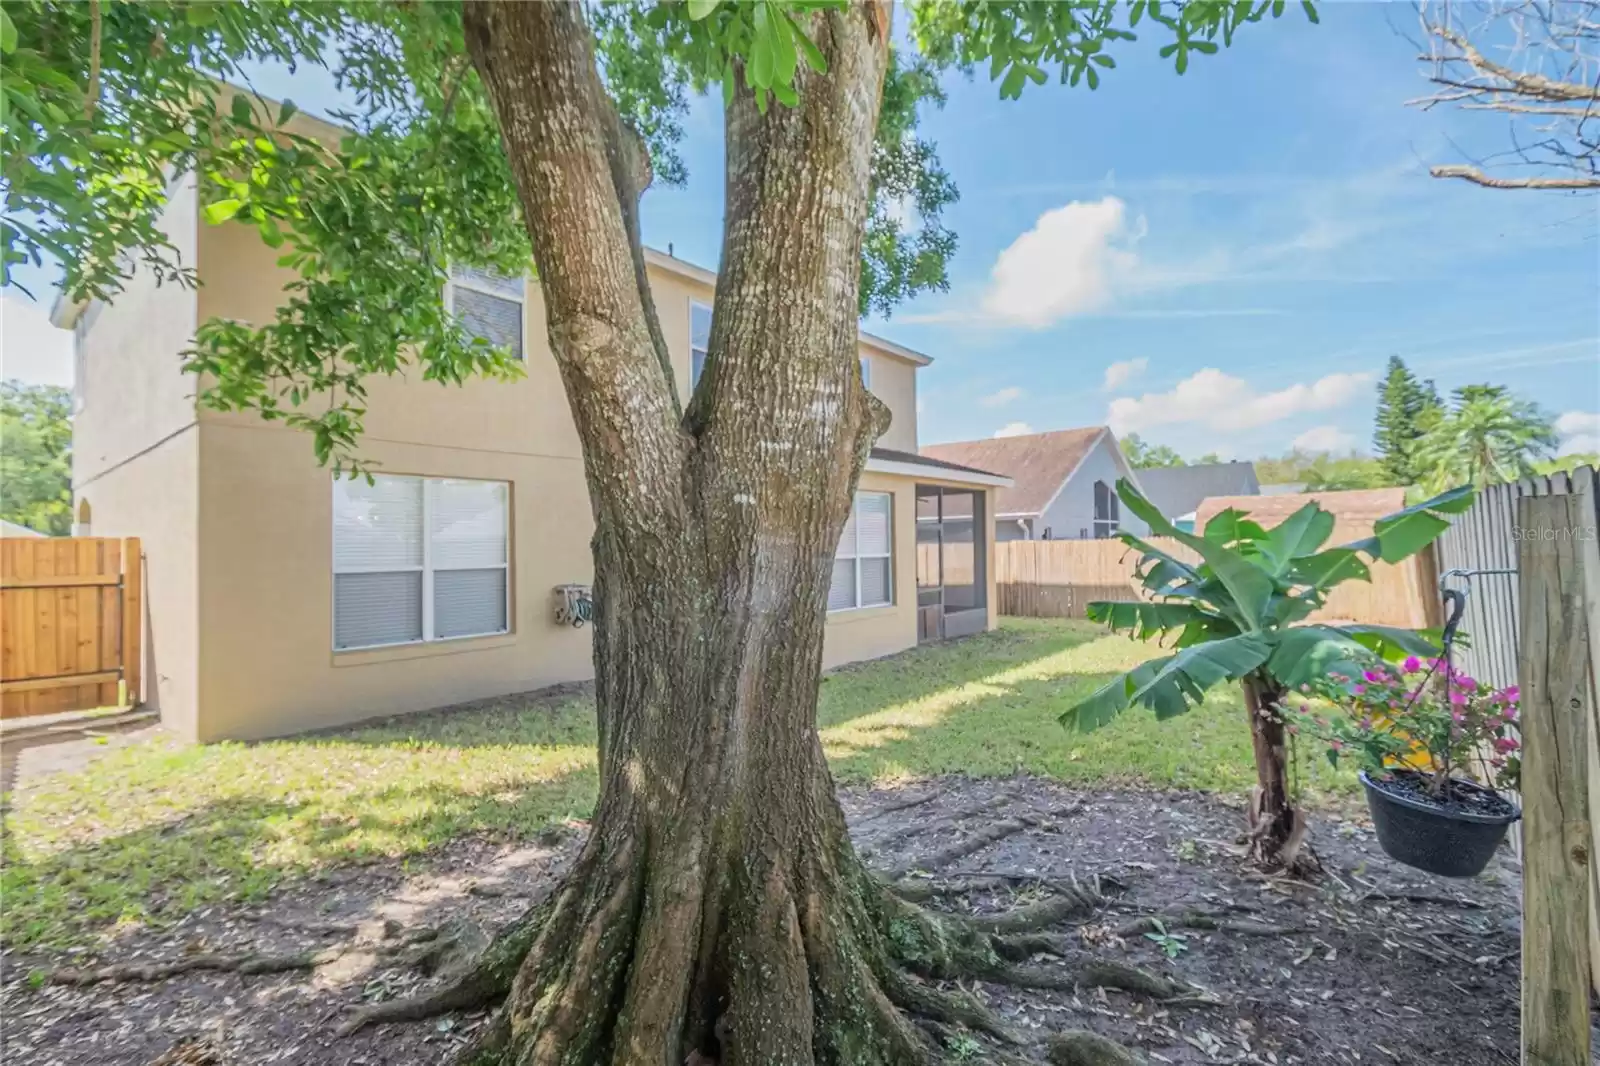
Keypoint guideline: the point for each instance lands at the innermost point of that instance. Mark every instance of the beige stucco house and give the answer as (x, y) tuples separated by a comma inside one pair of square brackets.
[(282, 600)]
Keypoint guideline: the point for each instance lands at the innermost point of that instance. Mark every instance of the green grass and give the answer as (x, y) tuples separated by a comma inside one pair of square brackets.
[(148, 833)]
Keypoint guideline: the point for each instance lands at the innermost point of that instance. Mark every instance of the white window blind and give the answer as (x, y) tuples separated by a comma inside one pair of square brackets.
[(699, 340), (489, 305), (419, 559), (863, 565), (866, 372)]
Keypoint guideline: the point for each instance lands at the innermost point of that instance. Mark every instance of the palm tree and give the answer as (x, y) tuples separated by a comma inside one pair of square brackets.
[(1238, 613), (1490, 437)]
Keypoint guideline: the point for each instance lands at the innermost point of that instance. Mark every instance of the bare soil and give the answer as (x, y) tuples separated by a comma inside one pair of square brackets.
[(1376, 963)]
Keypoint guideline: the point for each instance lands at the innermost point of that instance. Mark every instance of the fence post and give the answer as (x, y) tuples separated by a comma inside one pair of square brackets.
[(1554, 675), (132, 618)]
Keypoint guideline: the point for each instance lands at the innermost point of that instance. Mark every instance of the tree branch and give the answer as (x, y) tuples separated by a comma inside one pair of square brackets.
[(1478, 177), (1533, 85)]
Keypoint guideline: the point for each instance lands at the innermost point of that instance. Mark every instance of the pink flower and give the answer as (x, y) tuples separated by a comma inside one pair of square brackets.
[(1411, 665), (1510, 695), (1466, 681), (1458, 698), (1336, 745), (1358, 689), (1457, 716), (1511, 713), (1506, 744), (1305, 707)]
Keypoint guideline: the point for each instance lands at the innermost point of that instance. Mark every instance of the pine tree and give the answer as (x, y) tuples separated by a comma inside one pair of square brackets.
[(1405, 411)]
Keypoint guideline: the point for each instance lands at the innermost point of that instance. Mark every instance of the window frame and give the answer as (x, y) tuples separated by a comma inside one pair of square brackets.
[(452, 283), (425, 568), (856, 557), (1104, 528), (866, 372), (695, 373)]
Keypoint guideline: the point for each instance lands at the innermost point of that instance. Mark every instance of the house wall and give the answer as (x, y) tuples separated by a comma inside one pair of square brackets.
[(894, 381), (1071, 514), (135, 454), (265, 529)]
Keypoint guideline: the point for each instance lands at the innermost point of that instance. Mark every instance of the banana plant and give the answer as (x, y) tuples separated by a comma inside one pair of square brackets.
[(1239, 614)]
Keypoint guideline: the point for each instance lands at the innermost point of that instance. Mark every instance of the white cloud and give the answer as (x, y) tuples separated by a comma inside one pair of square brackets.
[(1119, 374), (1325, 439), (31, 349), (1014, 429), (1222, 402), (1003, 397), (1580, 431), (1067, 263)]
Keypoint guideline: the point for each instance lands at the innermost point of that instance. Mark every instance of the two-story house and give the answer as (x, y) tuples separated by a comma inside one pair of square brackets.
[(282, 599)]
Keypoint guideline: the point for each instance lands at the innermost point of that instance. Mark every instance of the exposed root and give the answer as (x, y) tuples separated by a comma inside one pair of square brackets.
[(245, 962), (957, 1008), (482, 981), (1074, 900), (1023, 948), (990, 834), (1200, 920), (1101, 973), (1079, 1047)]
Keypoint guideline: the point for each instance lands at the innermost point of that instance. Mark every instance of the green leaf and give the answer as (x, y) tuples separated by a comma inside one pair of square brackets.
[(758, 72), (1136, 13), (287, 112), (1311, 11), (222, 210), (1301, 534), (241, 109), (808, 48), (699, 9), (8, 33), (1143, 619), (1326, 569), (728, 85), (1011, 88)]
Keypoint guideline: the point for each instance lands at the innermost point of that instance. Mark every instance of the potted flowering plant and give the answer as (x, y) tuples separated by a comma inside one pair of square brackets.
[(1416, 729)]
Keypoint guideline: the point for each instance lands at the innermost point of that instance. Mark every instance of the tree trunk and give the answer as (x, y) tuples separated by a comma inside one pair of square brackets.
[(718, 907), (1277, 830)]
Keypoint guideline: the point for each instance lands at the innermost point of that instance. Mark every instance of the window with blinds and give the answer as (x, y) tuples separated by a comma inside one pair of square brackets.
[(488, 305), (1107, 513), (419, 559), (699, 340), (863, 570)]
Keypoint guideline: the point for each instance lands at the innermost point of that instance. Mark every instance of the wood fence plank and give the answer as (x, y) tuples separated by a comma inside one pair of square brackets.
[(132, 618), (1555, 683)]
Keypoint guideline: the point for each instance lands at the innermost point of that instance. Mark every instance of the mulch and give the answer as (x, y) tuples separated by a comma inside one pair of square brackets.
[(1376, 963)]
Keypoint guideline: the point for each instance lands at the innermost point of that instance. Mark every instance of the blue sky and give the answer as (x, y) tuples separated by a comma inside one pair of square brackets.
[(1241, 248)]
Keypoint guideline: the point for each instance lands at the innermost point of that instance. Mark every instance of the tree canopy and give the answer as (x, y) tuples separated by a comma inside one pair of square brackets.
[(1407, 408), (105, 103), (1488, 436), (36, 457)]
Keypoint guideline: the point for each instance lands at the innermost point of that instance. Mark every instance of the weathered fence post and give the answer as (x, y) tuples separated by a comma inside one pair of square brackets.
[(1554, 673)]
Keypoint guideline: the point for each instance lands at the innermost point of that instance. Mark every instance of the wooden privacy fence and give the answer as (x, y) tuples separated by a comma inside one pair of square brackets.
[(70, 609), (1060, 578), (1553, 630)]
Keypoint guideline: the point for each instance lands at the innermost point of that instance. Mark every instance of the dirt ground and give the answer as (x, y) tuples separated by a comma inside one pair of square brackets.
[(1376, 964)]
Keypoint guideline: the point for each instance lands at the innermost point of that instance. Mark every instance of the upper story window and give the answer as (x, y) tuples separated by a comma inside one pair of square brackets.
[(863, 565), (419, 559), (699, 340), (489, 305), (866, 372), (1107, 514)]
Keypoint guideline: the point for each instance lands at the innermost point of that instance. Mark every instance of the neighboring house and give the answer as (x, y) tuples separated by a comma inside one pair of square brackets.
[(281, 599), (1064, 484), (1178, 490), (11, 529), (1354, 510)]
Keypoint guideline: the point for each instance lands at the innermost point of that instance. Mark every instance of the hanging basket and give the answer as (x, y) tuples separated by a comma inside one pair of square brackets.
[(1454, 836)]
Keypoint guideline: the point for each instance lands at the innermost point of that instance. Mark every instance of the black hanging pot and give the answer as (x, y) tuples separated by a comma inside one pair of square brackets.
[(1453, 835)]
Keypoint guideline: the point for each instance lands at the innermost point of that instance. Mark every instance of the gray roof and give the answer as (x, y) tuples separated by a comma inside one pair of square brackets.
[(1178, 490)]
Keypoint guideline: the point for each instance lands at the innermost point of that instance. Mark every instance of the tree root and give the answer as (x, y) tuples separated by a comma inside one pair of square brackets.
[(1200, 920), (1075, 899), (483, 981), (1101, 973), (247, 963), (990, 834), (1079, 1047), (957, 1008)]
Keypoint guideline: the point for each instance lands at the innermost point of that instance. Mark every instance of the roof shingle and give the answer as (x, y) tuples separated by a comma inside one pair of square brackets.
[(1354, 510), (1037, 463)]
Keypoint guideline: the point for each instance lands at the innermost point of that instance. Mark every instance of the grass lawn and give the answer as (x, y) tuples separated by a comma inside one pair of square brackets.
[(152, 831)]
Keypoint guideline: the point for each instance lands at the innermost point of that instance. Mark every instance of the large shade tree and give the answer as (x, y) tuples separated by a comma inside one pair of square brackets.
[(1489, 436), (717, 909)]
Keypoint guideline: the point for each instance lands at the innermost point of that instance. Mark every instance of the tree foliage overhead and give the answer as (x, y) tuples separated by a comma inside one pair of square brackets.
[(36, 457), (105, 103), (1534, 65), (1142, 456)]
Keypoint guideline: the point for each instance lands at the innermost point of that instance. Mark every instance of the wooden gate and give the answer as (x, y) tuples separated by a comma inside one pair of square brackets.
[(70, 609)]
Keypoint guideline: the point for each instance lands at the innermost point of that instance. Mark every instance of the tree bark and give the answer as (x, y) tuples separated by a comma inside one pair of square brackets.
[(1277, 829), (718, 908)]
